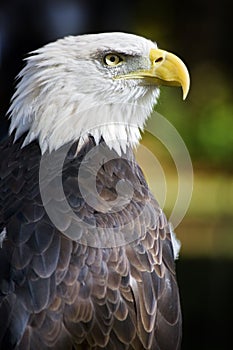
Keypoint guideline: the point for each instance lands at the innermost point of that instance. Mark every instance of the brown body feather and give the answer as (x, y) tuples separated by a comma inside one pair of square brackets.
[(56, 293)]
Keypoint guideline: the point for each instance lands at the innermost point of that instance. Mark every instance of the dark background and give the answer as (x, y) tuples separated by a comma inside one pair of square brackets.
[(201, 33)]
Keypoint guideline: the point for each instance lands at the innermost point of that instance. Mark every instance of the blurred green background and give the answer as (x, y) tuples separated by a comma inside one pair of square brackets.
[(200, 32)]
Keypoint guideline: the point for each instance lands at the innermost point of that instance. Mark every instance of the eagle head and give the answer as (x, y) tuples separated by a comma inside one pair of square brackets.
[(104, 85)]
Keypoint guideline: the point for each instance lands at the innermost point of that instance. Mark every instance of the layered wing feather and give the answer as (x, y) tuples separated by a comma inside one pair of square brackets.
[(58, 293)]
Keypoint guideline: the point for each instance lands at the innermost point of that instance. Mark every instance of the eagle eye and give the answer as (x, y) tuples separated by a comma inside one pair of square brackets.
[(112, 59)]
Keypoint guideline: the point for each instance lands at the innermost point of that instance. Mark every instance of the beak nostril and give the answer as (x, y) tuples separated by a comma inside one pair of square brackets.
[(159, 59)]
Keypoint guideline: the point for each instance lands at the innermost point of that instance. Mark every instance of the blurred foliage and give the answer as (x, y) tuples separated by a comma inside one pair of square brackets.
[(197, 31), (205, 120)]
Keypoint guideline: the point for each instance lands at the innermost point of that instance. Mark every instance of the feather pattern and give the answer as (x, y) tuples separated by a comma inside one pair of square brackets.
[(57, 293)]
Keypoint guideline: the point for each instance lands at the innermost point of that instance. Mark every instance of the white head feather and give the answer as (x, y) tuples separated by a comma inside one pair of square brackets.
[(66, 92)]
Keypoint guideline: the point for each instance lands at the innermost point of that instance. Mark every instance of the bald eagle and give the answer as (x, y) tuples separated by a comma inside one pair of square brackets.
[(86, 253)]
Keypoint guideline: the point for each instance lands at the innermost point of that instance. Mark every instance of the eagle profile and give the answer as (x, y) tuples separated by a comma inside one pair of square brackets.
[(86, 254)]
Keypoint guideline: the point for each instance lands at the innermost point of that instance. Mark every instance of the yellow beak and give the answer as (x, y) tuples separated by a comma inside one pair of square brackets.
[(169, 70), (166, 69)]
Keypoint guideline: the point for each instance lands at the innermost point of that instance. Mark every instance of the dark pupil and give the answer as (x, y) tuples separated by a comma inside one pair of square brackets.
[(112, 59)]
